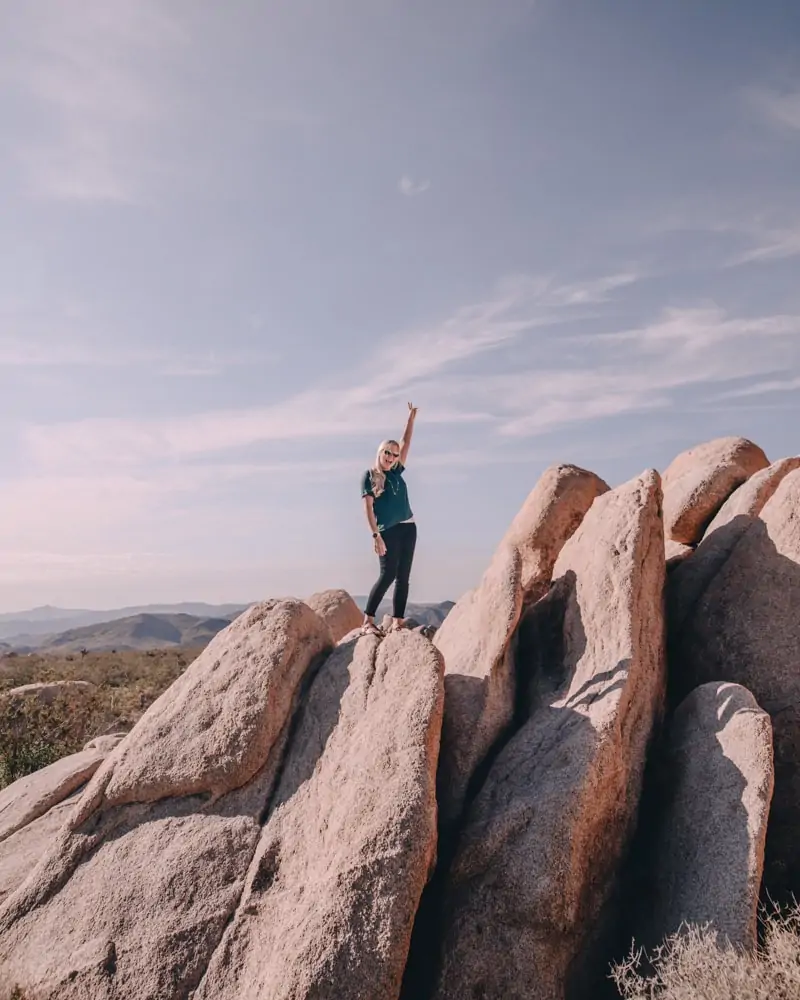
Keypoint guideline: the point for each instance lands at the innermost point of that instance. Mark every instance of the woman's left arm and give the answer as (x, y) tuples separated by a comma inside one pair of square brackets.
[(405, 444)]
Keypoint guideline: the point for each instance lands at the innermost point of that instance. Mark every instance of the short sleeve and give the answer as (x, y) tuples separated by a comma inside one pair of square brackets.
[(366, 485), (400, 467)]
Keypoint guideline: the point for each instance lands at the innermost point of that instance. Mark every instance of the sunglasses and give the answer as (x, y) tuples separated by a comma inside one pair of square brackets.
[(391, 454)]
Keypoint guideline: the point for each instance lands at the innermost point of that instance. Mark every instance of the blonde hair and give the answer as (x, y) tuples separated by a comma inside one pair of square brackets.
[(377, 475)]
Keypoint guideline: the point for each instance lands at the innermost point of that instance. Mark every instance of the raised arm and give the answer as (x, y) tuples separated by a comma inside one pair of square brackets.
[(405, 444)]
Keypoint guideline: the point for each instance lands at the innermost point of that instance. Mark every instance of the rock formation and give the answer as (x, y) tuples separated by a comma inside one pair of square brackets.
[(332, 892), (266, 830), (708, 850), (477, 636), (543, 839), (133, 895), (701, 479), (688, 582), (744, 627)]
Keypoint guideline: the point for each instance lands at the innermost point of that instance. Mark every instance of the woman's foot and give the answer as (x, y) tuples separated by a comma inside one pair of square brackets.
[(398, 624), (370, 628)]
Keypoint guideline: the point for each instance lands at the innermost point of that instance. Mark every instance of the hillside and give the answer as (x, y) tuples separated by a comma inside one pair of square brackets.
[(24, 627), (150, 630), (143, 631)]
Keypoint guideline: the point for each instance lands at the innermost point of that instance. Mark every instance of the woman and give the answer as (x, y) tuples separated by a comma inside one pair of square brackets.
[(394, 533)]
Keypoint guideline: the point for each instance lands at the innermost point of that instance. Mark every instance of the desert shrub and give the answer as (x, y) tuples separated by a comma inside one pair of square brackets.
[(694, 965), (35, 731), (126, 683)]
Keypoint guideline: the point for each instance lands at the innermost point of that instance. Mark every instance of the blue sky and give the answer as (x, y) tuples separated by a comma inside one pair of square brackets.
[(237, 238)]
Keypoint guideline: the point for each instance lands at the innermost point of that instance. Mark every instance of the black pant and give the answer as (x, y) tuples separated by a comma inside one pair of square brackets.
[(395, 566)]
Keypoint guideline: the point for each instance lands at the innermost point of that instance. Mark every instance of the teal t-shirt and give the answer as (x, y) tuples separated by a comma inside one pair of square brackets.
[(392, 506)]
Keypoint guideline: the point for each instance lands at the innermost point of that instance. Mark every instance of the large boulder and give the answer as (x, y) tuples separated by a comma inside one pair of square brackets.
[(132, 897), (543, 838), (749, 499), (700, 480), (333, 889), (744, 627), (338, 610), (715, 790), (688, 581), (477, 636), (34, 808)]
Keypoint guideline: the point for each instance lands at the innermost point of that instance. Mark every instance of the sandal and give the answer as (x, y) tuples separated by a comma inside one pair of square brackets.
[(370, 628)]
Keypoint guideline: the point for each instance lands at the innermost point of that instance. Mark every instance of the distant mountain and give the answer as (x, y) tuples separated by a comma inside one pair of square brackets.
[(151, 627), (142, 631), (24, 626)]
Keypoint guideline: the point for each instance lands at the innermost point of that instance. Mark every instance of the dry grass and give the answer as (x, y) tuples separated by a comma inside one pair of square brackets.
[(33, 735), (693, 966)]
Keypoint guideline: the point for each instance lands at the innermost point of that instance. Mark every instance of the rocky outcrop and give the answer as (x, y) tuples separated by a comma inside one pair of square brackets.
[(477, 636), (132, 897), (34, 808), (332, 892), (338, 610), (542, 842), (744, 627), (688, 582), (266, 830), (715, 791), (700, 480), (749, 499)]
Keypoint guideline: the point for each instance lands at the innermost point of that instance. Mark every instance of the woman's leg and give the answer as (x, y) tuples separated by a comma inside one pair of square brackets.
[(388, 565), (408, 541)]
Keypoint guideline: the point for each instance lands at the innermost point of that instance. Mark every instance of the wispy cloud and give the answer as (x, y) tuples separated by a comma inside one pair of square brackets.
[(411, 188), (779, 107), (409, 361), (763, 388), (587, 378), (770, 244)]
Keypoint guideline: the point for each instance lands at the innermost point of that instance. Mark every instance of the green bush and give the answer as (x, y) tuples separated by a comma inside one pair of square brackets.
[(35, 731), (694, 965)]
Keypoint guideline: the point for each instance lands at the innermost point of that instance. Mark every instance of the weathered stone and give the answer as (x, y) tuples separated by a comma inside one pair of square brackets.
[(688, 582), (715, 792), (21, 851), (338, 610), (333, 889), (476, 638), (133, 896), (700, 480), (34, 808), (543, 838), (30, 797), (744, 627), (749, 499)]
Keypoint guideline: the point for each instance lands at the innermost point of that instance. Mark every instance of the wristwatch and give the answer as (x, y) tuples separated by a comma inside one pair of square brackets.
[(375, 534)]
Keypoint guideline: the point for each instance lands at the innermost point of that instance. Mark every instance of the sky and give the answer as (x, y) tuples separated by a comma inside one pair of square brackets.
[(237, 239)]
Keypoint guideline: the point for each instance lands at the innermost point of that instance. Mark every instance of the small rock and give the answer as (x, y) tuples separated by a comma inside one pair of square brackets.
[(338, 610)]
